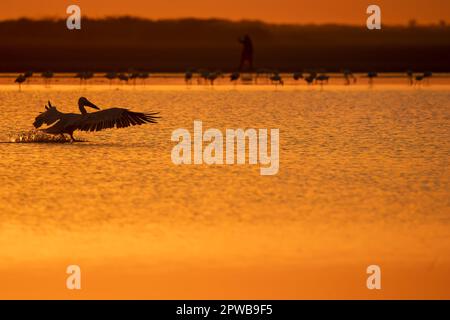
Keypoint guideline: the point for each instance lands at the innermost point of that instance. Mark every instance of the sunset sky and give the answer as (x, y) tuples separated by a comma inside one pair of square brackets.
[(280, 11)]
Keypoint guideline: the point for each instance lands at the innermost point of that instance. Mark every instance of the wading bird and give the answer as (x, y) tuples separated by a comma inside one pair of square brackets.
[(47, 75), (84, 76), (349, 75), (310, 79), (297, 75), (276, 79), (20, 79), (143, 76), (110, 76), (234, 77), (322, 78), (410, 75), (123, 77), (372, 75), (188, 77), (213, 76), (67, 123), (419, 79), (28, 75)]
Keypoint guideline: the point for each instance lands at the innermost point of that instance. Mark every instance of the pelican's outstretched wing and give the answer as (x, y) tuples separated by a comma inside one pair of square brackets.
[(113, 117)]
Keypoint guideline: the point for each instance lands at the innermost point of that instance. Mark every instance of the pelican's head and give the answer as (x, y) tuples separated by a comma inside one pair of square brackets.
[(83, 102), (49, 116)]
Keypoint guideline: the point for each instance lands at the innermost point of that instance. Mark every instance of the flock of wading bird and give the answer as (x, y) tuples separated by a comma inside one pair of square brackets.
[(202, 76)]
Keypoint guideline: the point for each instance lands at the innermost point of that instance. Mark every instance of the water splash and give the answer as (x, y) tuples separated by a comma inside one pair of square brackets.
[(36, 136)]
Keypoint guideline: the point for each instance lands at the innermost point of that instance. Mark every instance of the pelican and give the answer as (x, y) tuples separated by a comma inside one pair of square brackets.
[(67, 123)]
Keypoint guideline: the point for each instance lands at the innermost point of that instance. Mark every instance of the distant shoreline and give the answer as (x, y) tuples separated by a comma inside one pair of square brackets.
[(123, 43)]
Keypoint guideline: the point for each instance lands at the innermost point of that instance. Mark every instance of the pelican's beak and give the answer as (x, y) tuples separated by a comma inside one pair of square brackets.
[(90, 104)]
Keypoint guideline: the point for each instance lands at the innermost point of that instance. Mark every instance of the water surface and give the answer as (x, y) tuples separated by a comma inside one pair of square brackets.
[(364, 179)]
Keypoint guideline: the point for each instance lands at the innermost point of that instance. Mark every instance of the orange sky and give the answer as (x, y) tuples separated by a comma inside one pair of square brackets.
[(287, 11)]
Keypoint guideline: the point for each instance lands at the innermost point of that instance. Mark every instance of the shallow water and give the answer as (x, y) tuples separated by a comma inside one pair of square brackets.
[(364, 179)]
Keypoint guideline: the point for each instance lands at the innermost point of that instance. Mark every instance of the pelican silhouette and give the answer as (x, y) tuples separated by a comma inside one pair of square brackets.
[(67, 123)]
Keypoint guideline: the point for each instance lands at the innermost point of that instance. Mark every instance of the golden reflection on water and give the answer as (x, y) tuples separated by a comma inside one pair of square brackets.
[(363, 179)]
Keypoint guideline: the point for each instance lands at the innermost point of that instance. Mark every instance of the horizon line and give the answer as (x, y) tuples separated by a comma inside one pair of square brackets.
[(440, 23)]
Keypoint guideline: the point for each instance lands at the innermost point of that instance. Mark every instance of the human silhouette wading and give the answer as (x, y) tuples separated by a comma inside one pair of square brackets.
[(247, 53)]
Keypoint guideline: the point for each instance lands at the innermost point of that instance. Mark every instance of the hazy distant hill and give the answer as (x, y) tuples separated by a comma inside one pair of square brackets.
[(174, 45)]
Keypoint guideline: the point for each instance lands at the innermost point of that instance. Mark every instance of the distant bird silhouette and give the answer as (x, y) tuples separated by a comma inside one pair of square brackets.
[(410, 75), (47, 75), (188, 77), (234, 77), (203, 74), (84, 76), (20, 79), (419, 79), (28, 75), (263, 72), (123, 77), (427, 75), (213, 76), (297, 75), (67, 123), (311, 78), (110, 76), (133, 75), (322, 78), (372, 75), (144, 76), (276, 79), (348, 75)]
